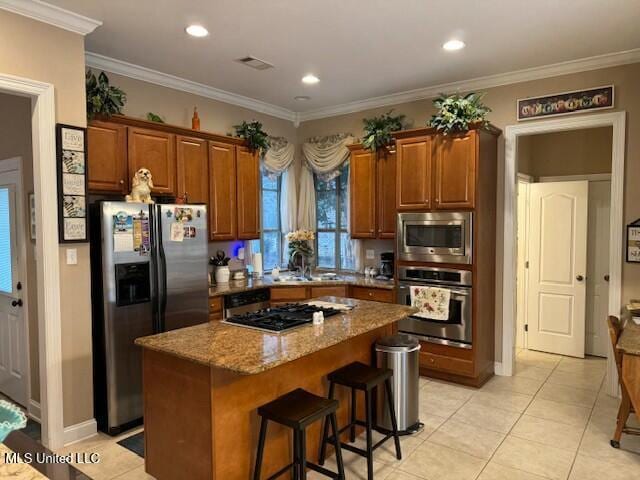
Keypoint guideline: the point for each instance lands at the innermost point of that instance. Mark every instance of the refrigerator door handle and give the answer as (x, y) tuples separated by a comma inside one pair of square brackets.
[(161, 268)]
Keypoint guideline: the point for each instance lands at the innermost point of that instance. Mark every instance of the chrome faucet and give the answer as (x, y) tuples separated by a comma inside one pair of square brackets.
[(303, 270)]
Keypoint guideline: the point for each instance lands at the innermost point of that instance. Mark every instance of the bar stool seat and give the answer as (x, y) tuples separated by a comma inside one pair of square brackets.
[(358, 376), (297, 410)]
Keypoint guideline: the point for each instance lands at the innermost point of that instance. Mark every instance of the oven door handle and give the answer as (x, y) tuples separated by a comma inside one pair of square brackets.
[(454, 291)]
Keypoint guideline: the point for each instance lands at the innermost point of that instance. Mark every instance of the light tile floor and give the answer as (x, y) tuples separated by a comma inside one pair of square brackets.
[(551, 420)]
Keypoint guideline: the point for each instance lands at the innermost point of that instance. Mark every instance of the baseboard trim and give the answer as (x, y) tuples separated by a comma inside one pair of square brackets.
[(80, 431), (34, 410), (497, 368)]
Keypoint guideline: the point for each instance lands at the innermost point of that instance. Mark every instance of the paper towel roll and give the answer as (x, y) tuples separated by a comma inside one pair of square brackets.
[(257, 263)]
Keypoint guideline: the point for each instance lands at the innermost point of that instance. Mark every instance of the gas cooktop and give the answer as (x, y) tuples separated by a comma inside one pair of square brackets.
[(281, 318)]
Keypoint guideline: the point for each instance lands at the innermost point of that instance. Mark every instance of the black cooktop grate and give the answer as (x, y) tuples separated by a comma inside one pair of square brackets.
[(281, 318)]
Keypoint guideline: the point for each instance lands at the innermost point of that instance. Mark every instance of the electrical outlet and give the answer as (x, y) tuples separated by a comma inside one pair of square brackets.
[(371, 254), (72, 256)]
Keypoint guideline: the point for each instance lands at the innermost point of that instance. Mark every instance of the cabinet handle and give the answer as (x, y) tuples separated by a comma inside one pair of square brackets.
[(121, 182)]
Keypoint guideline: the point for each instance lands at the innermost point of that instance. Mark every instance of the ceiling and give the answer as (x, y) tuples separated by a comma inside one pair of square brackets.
[(359, 49)]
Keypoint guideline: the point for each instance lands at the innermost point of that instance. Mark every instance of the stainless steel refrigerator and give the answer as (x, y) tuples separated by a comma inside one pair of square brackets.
[(149, 275)]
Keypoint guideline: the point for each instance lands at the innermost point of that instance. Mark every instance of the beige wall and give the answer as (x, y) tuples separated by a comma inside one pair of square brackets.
[(575, 152), (502, 100), (15, 141), (41, 52)]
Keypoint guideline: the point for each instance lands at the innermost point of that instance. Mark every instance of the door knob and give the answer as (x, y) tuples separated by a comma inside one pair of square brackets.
[(16, 303), (606, 277), (580, 278)]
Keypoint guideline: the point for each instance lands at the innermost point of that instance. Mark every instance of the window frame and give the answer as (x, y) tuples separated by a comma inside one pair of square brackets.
[(278, 229), (339, 228)]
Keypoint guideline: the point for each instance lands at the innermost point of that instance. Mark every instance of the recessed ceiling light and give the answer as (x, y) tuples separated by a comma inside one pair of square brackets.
[(310, 79), (302, 98), (452, 45), (197, 31)]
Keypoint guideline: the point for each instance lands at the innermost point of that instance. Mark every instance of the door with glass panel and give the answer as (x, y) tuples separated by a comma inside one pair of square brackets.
[(13, 330)]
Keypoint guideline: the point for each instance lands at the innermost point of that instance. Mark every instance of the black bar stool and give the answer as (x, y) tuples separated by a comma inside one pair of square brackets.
[(359, 376), (297, 410)]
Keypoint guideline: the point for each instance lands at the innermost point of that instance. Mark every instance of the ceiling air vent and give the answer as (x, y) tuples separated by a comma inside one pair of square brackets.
[(254, 63)]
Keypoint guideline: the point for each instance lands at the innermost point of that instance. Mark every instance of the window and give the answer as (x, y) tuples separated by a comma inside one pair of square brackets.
[(6, 262), (271, 238), (334, 249)]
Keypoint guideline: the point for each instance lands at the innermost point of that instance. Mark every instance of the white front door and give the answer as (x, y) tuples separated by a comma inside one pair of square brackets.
[(598, 267), (13, 330), (557, 267)]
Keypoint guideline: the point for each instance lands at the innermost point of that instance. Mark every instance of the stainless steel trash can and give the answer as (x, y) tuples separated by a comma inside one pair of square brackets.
[(400, 353)]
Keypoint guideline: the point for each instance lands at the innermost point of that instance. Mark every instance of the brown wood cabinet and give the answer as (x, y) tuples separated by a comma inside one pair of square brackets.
[(455, 171), (372, 193), (386, 194), (155, 151), (215, 309), (192, 168), (374, 294), (107, 158), (222, 191), (414, 170), (248, 193), (362, 195)]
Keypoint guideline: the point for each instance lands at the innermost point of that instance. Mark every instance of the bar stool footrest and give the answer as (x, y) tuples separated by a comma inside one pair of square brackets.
[(282, 471), (322, 470)]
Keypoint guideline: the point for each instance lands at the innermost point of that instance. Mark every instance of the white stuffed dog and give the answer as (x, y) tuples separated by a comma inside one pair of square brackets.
[(141, 187)]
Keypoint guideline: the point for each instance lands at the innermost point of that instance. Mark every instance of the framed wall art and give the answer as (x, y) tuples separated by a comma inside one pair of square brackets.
[(565, 103), (633, 242), (71, 152)]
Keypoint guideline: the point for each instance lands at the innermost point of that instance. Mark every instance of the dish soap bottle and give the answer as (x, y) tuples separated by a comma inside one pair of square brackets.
[(275, 273)]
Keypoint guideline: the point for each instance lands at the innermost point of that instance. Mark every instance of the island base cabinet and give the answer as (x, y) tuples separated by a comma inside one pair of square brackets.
[(202, 422)]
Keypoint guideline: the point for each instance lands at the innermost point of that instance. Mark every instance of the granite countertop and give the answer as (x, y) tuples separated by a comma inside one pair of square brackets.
[(267, 282), (248, 351), (629, 341)]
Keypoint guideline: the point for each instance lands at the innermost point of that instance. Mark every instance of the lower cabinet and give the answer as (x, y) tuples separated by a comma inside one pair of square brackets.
[(215, 309), (280, 295), (375, 294)]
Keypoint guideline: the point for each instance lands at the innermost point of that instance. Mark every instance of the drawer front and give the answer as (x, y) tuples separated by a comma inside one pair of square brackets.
[(215, 317), (446, 364), (337, 291), (215, 305), (374, 294), (283, 294)]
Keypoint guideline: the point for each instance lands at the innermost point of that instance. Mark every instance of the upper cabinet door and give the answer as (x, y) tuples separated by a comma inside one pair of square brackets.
[(248, 174), (193, 169), (387, 212), (154, 151), (362, 194), (222, 191), (455, 171), (413, 159), (107, 158)]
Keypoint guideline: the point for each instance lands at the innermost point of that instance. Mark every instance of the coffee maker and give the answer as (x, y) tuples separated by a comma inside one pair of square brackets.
[(386, 265)]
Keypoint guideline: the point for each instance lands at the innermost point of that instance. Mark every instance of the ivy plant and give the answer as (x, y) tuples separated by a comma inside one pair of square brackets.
[(455, 112), (256, 138), (378, 130), (103, 98)]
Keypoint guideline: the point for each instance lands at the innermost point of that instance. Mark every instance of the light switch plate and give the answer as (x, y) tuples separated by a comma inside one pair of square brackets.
[(72, 256), (371, 254)]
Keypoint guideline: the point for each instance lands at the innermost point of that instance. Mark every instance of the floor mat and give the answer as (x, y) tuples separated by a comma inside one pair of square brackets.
[(135, 443)]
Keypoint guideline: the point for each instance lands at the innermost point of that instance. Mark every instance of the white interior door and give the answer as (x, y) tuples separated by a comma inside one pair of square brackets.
[(598, 267), (14, 378), (556, 288)]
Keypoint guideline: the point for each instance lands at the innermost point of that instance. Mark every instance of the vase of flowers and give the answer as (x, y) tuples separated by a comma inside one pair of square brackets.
[(300, 249)]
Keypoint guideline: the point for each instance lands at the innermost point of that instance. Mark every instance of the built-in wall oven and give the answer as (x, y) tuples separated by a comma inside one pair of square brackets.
[(439, 237), (457, 329)]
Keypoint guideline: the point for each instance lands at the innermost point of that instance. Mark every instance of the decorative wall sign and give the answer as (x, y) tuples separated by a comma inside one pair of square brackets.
[(71, 153), (633, 242), (566, 103)]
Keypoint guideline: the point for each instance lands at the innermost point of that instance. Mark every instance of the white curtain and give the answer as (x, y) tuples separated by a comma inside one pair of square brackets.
[(307, 200), (326, 155), (279, 156)]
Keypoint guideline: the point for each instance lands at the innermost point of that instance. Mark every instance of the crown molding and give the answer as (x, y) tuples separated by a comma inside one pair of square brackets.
[(56, 16), (536, 73), (138, 72)]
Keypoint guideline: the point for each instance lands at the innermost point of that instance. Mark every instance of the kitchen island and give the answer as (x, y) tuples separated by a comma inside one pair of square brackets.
[(202, 386)]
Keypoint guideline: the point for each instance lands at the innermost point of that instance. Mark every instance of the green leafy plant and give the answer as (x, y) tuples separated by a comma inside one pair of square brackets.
[(455, 112), (152, 117), (102, 98), (257, 139), (378, 130)]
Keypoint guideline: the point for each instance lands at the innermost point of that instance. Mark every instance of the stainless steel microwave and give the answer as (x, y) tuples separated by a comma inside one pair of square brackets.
[(438, 237)]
